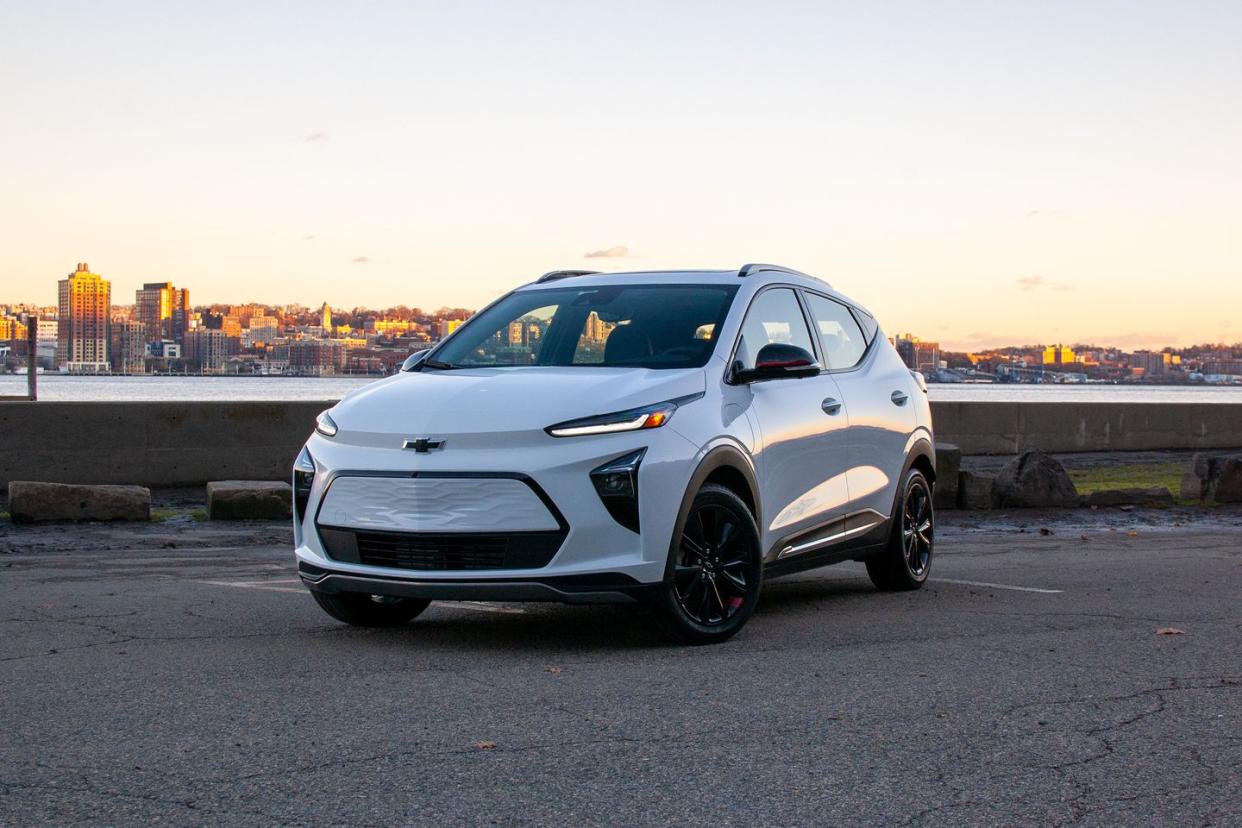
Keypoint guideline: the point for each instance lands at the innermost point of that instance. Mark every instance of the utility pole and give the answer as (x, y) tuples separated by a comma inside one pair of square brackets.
[(32, 357)]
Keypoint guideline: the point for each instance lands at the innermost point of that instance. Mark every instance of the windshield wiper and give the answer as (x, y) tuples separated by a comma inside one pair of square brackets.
[(438, 365)]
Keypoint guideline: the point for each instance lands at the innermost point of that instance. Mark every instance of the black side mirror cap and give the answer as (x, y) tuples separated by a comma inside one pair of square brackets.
[(779, 361)]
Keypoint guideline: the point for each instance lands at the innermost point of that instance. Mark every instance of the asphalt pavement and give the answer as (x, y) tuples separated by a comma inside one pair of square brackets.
[(180, 674)]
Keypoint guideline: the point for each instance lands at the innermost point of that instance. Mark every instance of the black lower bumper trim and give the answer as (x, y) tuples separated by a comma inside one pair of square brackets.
[(603, 588)]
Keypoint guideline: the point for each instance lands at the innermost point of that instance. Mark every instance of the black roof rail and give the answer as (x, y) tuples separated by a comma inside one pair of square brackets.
[(756, 267), (553, 275)]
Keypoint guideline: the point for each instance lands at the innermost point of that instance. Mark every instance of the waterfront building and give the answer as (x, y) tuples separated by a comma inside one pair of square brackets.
[(163, 309), (917, 354), (1148, 363), (1059, 355), (128, 346), (207, 348), (316, 357), (82, 330)]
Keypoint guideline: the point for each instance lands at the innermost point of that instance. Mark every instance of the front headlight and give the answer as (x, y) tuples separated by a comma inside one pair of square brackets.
[(325, 425), (303, 479), (634, 419)]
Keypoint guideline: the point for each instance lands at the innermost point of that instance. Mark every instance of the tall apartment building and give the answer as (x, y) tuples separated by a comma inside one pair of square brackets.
[(129, 346), (82, 330), (163, 309)]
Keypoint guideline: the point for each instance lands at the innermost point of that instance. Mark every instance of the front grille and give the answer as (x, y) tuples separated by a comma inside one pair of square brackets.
[(442, 551), (435, 552)]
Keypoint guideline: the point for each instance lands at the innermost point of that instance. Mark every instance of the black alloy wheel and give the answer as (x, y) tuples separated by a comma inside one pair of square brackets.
[(906, 561), (917, 529), (715, 570)]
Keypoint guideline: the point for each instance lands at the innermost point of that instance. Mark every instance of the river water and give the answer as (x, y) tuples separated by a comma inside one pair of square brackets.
[(87, 389)]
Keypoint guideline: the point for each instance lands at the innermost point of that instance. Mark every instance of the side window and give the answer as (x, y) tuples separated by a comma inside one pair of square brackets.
[(842, 339), (869, 325), (774, 316)]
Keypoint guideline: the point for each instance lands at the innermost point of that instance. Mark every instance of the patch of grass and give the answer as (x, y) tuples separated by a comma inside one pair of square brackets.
[(161, 515), (4, 516), (1136, 476), (198, 514)]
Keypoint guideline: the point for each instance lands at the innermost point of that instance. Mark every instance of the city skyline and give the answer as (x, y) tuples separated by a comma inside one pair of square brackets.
[(983, 174), (988, 343)]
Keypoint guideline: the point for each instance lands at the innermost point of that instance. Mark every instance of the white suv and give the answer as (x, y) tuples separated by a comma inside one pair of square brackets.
[(672, 438)]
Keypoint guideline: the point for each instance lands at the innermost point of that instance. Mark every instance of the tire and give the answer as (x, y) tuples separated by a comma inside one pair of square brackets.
[(906, 560), (715, 570), (363, 610)]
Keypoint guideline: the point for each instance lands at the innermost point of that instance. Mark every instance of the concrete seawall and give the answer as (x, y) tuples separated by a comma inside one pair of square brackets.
[(188, 444)]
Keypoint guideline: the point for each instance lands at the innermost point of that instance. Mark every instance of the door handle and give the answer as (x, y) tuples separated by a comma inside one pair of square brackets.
[(899, 397), (830, 406)]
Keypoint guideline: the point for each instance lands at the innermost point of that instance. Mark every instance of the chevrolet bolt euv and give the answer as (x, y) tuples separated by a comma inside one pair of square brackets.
[(672, 438)]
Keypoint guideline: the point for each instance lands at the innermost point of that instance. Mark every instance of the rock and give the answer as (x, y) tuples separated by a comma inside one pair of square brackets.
[(948, 464), (31, 502), (1033, 479), (974, 490), (1221, 475), (249, 500), (1192, 487), (1154, 496)]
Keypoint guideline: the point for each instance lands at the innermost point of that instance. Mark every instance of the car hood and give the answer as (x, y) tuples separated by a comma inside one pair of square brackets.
[(488, 402)]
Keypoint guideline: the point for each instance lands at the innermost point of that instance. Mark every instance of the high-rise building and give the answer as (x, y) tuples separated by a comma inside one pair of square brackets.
[(129, 346), (325, 319), (163, 309), (82, 332)]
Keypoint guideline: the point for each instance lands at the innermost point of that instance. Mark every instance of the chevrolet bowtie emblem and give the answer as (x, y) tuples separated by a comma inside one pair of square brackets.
[(422, 445)]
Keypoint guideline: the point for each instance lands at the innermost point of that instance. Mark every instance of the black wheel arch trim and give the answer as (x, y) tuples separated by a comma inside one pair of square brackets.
[(722, 456)]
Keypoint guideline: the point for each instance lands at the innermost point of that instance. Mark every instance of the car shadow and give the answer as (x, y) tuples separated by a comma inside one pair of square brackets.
[(559, 628)]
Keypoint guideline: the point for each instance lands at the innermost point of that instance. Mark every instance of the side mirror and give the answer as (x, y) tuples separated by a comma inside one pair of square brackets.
[(779, 361), (413, 360)]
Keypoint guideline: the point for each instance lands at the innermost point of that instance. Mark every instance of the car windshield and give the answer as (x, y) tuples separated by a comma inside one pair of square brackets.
[(649, 326)]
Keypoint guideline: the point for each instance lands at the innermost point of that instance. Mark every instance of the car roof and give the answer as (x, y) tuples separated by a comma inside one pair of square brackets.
[(753, 274), (762, 272)]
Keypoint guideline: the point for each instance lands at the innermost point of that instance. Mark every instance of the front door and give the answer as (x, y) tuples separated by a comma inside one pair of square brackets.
[(876, 385), (801, 427)]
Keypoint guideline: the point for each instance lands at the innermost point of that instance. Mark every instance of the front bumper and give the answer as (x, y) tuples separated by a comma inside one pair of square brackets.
[(569, 548), (602, 588)]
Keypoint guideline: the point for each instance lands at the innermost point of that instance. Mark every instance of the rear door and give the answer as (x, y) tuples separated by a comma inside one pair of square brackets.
[(876, 386), (802, 425)]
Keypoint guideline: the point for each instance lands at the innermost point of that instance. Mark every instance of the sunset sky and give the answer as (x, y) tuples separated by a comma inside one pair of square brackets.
[(977, 173)]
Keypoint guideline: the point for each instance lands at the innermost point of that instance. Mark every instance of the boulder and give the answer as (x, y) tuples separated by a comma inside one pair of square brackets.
[(1033, 479), (1221, 476), (1192, 487), (31, 502), (1153, 496), (974, 490), (249, 500), (948, 464)]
